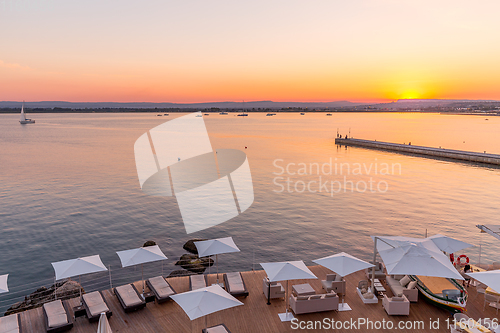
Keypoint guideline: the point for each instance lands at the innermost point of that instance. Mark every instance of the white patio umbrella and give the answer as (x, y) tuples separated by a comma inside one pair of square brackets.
[(413, 256), (4, 288), (448, 244), (103, 326), (141, 256), (343, 264), (215, 247), (285, 271), (204, 301), (78, 267), (489, 278)]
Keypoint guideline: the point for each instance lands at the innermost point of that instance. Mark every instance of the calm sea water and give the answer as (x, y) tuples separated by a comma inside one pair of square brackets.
[(69, 188)]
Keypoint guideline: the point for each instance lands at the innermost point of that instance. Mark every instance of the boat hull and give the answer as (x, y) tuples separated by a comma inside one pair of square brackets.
[(23, 122), (446, 304)]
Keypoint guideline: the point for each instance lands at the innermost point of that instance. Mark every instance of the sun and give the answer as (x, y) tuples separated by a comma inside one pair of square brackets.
[(410, 94)]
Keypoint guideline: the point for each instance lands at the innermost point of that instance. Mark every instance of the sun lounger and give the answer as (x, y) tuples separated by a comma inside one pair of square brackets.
[(57, 317), (94, 304), (235, 284), (216, 329), (161, 288), (197, 282), (11, 324), (129, 298)]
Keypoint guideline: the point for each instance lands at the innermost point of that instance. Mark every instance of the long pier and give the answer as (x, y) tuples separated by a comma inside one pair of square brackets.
[(420, 150)]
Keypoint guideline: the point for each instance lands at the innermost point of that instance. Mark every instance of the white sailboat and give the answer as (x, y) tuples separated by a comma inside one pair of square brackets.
[(23, 119)]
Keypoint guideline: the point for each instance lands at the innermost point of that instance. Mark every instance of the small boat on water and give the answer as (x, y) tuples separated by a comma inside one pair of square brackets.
[(199, 115), (223, 113), (302, 113), (207, 114), (23, 119), (165, 114), (243, 115), (445, 293), (158, 115), (270, 114), (328, 114)]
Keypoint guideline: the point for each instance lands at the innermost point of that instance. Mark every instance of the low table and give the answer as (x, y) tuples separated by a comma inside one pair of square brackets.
[(79, 311), (303, 289), (149, 297)]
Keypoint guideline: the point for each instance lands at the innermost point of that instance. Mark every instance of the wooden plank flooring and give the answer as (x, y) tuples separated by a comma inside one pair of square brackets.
[(256, 315)]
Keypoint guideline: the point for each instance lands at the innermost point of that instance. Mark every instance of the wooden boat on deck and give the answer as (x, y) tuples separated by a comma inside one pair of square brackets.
[(448, 294)]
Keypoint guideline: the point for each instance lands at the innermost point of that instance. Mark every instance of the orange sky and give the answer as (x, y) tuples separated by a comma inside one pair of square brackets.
[(168, 51)]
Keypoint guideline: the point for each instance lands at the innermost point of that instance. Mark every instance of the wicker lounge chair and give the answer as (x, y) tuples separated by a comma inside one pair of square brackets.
[(161, 288), (94, 304), (129, 298), (11, 324), (216, 329), (57, 317), (235, 285), (197, 281)]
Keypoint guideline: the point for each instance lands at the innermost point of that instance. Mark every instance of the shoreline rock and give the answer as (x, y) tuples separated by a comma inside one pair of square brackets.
[(65, 289), (193, 263), (190, 247)]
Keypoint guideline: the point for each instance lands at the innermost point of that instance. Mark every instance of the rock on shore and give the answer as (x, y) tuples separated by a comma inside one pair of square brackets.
[(190, 247), (65, 289)]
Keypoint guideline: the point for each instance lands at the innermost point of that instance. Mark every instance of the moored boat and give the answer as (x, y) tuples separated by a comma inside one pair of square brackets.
[(23, 119), (445, 293)]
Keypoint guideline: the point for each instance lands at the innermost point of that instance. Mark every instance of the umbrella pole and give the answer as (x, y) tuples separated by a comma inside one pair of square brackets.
[(110, 284), (217, 264), (142, 278), (374, 261), (286, 300), (269, 292), (80, 282), (55, 288)]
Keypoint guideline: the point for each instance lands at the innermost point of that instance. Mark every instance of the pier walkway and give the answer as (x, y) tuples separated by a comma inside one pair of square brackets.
[(420, 150)]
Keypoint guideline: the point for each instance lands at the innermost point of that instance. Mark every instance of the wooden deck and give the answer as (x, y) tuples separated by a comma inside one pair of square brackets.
[(256, 315)]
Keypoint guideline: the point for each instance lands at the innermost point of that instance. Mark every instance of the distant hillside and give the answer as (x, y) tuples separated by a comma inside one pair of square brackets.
[(147, 105)]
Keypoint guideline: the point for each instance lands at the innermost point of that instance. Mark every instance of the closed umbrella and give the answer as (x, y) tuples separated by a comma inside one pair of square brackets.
[(4, 288), (285, 271), (204, 301), (78, 267), (141, 255), (343, 264), (103, 326), (215, 247)]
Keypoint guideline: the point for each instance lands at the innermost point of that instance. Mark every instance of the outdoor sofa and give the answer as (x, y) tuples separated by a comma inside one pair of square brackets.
[(365, 293), (235, 285), (277, 290), (334, 282), (161, 288), (314, 303), (197, 281), (129, 298), (11, 324), (403, 285), (397, 305), (94, 304), (216, 329), (57, 317)]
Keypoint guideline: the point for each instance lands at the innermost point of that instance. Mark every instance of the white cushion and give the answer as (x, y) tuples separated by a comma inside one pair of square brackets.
[(412, 285), (404, 281), (56, 313), (161, 286), (197, 281), (9, 324), (235, 282), (95, 303), (128, 295)]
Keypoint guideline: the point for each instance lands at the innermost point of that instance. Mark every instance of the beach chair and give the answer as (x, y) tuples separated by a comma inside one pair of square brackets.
[(216, 329), (57, 317), (11, 324), (161, 288), (334, 282), (129, 298), (94, 304), (235, 285), (491, 299), (197, 281)]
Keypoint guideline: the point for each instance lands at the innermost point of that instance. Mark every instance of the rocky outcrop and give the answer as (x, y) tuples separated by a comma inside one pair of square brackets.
[(190, 247), (149, 243), (181, 272), (192, 263), (65, 289)]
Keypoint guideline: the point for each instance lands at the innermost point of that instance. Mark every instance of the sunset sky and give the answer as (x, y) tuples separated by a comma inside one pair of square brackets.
[(197, 51)]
